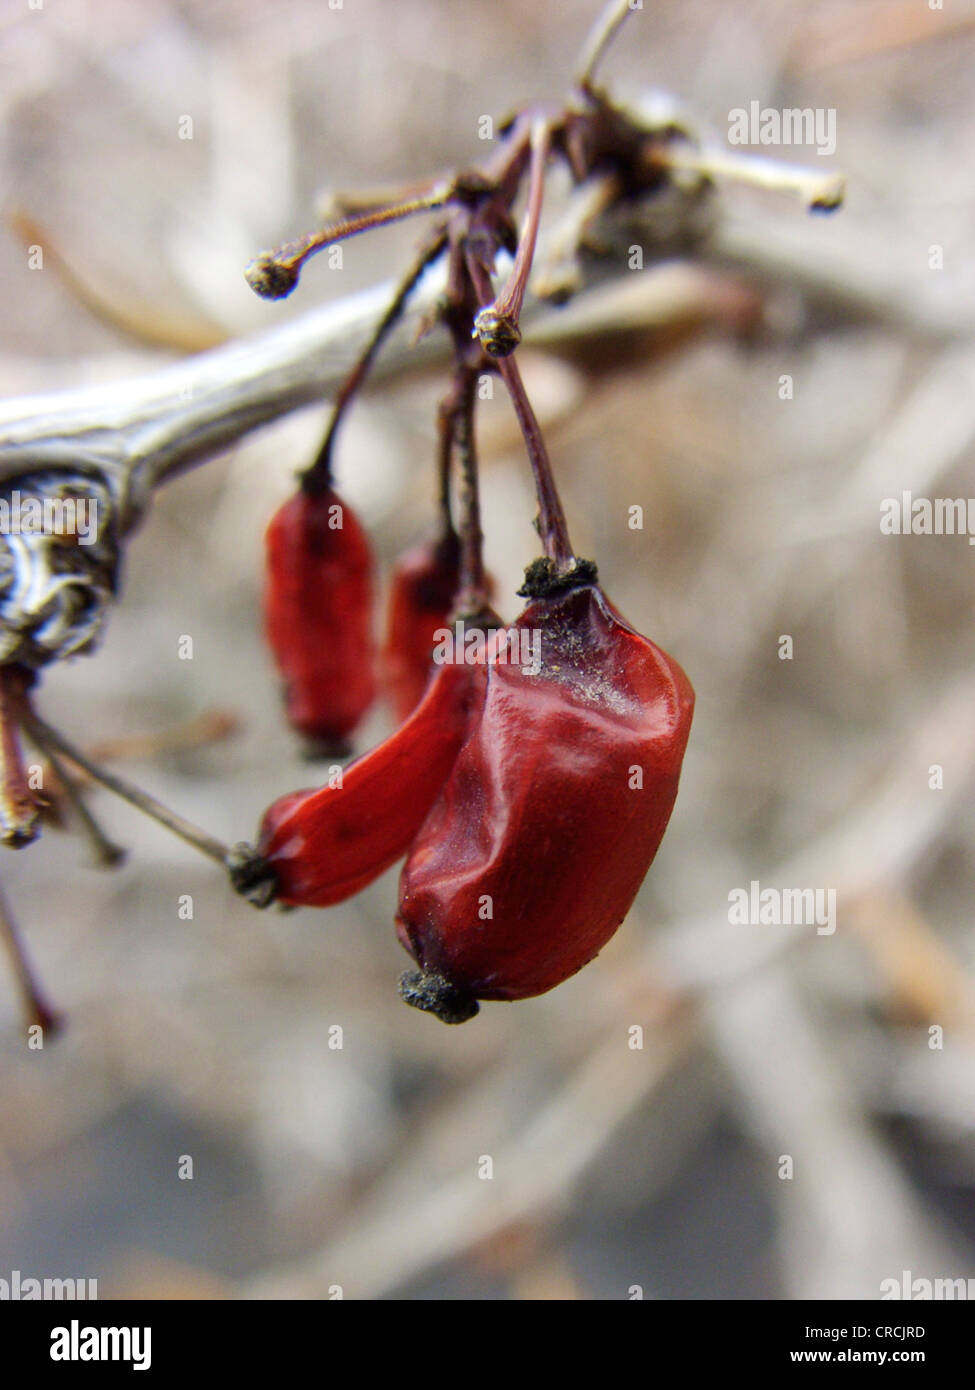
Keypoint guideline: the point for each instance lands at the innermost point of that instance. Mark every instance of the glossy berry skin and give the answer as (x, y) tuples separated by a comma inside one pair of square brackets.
[(318, 615), (327, 843), (544, 831), (422, 592)]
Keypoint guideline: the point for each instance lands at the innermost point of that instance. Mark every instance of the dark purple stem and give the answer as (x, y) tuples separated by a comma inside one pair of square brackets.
[(274, 274), (472, 596), (318, 476), (552, 526), (497, 323)]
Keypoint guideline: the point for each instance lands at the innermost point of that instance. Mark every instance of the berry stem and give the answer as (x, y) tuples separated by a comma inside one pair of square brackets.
[(552, 526), (18, 805), (472, 595), (107, 854), (274, 274), (51, 742), (456, 421), (318, 476), (496, 325), (36, 1007), (445, 455)]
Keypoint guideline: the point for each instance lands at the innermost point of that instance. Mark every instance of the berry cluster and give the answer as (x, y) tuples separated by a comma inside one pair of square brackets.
[(535, 767), (529, 799)]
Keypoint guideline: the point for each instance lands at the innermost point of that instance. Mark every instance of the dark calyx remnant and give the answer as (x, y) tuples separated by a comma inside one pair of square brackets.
[(543, 578), (251, 875), (433, 994)]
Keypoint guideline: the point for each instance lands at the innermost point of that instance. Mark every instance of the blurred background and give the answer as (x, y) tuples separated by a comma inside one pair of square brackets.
[(640, 1117)]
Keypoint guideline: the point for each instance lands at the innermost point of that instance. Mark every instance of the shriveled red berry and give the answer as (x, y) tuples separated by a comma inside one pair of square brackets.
[(318, 615), (325, 844), (534, 850), (422, 592)]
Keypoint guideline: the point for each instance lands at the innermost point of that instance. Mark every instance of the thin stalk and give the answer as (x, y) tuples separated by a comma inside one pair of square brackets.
[(319, 475), (107, 853), (445, 458), (51, 741), (36, 1007), (505, 169), (472, 592), (497, 324), (18, 804), (821, 192), (274, 274), (558, 276), (600, 37), (552, 526), (334, 205)]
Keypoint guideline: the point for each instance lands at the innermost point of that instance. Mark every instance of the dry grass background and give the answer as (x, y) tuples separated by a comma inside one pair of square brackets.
[(612, 1167)]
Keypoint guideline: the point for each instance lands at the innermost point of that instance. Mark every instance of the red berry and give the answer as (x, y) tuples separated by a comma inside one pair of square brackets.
[(328, 843), (424, 585), (318, 615), (544, 831)]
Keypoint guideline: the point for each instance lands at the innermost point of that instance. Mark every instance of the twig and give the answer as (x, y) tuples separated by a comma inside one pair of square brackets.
[(250, 875), (600, 37), (107, 853), (858, 275), (36, 1008), (820, 192), (143, 431), (319, 474), (552, 525), (274, 274), (50, 741), (19, 808), (496, 324)]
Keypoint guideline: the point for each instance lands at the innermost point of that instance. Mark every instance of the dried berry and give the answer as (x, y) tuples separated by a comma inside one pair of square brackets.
[(318, 615), (325, 844), (544, 831), (422, 593)]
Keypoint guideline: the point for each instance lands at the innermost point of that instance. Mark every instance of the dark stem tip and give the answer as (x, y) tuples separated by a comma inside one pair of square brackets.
[(316, 480), (544, 578), (21, 834), (269, 278), (50, 1021), (110, 856), (251, 875), (426, 990), (478, 613), (498, 334), (317, 748)]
